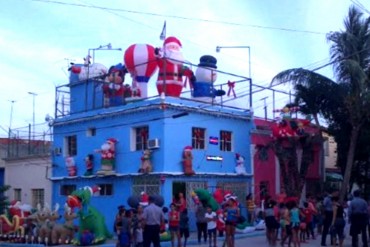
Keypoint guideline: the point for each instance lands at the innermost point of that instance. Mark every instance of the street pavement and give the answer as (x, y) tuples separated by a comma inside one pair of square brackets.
[(253, 239)]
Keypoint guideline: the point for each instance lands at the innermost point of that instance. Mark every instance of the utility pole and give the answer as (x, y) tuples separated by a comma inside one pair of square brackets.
[(33, 112), (265, 106)]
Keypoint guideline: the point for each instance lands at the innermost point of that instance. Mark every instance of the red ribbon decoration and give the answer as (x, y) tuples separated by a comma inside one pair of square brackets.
[(144, 135), (188, 73), (231, 86), (226, 136), (197, 134)]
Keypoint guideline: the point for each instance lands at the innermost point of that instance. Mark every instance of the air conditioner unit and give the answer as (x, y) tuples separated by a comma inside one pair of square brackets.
[(153, 143)]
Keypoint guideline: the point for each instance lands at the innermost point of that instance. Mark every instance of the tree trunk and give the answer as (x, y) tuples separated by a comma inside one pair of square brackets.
[(306, 160), (350, 156), (286, 151)]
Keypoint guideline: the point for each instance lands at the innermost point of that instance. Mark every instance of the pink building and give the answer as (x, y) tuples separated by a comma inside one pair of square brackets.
[(267, 176)]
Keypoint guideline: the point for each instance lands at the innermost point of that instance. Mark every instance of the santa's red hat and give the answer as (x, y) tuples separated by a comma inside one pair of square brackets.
[(112, 140), (188, 148), (93, 189), (172, 40)]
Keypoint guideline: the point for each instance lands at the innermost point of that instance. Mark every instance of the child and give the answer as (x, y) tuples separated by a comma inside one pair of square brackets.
[(285, 217), (220, 224), (184, 225), (124, 230), (211, 226), (302, 229), (295, 222), (283, 220), (139, 235), (174, 224)]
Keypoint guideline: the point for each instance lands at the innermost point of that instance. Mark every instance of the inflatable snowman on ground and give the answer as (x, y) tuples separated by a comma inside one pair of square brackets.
[(206, 75)]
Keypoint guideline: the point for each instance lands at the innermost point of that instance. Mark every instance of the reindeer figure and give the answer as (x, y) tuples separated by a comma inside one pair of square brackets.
[(64, 233), (43, 223)]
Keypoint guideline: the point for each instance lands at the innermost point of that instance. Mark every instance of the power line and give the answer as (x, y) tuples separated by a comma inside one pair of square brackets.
[(181, 17)]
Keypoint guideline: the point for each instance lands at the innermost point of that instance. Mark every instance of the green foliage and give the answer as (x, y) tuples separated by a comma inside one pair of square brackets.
[(4, 202)]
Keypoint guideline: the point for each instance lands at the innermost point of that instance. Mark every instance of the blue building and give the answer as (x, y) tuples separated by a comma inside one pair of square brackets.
[(165, 126)]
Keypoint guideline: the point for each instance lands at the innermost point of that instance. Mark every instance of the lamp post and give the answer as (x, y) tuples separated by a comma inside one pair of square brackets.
[(11, 114), (33, 112), (218, 49)]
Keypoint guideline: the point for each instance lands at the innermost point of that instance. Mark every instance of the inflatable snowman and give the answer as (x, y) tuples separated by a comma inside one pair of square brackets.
[(206, 75)]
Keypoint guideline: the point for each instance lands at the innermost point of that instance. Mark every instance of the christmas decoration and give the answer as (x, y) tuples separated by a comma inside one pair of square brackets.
[(240, 166), (113, 87), (92, 228), (188, 161), (146, 164), (108, 156), (171, 69), (205, 75), (71, 166), (141, 63)]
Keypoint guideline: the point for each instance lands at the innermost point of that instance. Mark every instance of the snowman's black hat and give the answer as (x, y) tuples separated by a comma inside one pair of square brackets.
[(208, 61)]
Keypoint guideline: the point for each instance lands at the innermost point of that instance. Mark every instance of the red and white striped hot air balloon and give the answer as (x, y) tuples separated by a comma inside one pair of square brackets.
[(141, 63)]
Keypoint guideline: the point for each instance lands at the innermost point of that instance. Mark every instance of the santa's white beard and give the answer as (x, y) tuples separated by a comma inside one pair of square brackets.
[(105, 147), (176, 57)]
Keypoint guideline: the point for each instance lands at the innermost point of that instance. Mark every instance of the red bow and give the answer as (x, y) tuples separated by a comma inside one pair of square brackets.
[(231, 86), (188, 73)]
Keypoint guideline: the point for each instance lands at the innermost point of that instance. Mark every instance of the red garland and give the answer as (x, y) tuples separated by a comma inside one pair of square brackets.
[(231, 86)]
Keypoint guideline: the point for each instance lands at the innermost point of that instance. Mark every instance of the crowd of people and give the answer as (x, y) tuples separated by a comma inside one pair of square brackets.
[(142, 226), (288, 221), (291, 222)]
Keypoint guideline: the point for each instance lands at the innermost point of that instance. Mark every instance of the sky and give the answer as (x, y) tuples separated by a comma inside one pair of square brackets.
[(39, 38)]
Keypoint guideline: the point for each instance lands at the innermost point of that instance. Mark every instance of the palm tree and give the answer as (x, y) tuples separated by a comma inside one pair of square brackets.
[(312, 94), (350, 56), (350, 53), (313, 91)]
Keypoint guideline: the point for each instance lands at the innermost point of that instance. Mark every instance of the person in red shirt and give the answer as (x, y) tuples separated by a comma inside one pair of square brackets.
[(307, 213), (174, 225)]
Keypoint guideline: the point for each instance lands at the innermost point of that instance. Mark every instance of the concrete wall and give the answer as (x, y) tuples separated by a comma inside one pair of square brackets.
[(28, 174)]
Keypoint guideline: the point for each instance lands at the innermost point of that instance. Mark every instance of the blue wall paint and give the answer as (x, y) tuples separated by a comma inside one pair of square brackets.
[(174, 134)]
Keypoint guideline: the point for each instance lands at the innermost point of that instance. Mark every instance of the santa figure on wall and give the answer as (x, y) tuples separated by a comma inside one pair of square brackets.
[(71, 166), (108, 157), (171, 69)]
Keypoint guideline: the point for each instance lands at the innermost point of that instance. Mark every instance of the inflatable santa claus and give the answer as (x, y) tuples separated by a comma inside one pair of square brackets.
[(108, 156), (171, 69)]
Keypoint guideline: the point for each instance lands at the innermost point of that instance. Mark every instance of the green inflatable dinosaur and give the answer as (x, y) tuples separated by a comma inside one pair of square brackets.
[(92, 227)]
